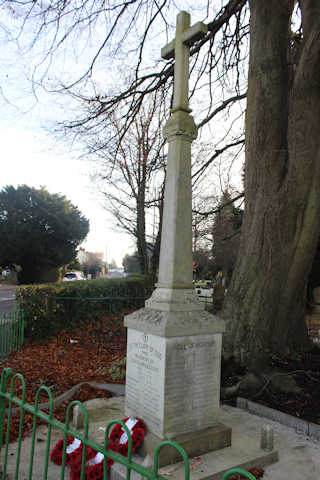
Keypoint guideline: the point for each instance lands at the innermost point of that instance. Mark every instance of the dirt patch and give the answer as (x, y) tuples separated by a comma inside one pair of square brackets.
[(303, 368), (63, 362)]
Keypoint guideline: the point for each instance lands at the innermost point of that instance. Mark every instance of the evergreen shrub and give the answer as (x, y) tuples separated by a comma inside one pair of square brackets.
[(51, 308)]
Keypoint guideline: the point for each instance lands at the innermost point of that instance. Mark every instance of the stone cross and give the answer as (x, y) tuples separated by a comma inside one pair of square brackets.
[(179, 48), (174, 345), (174, 288)]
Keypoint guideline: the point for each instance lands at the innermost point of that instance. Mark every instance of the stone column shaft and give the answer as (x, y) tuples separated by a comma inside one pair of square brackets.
[(174, 290), (175, 270)]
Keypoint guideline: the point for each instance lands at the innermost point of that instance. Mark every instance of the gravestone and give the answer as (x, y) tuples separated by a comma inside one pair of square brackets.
[(174, 345)]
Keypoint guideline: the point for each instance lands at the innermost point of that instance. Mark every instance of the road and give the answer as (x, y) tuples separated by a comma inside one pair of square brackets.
[(7, 296)]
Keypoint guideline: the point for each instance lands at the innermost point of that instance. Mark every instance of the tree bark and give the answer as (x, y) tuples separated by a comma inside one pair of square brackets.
[(265, 305), (141, 225), (156, 247)]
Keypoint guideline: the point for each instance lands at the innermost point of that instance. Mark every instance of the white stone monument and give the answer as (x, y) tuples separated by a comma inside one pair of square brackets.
[(174, 345)]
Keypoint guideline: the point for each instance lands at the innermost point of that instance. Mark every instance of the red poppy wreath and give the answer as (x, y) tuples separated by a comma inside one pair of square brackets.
[(118, 442)]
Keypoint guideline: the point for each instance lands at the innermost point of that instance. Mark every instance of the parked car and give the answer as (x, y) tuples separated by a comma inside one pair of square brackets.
[(5, 273), (203, 283), (115, 273), (204, 290), (70, 276)]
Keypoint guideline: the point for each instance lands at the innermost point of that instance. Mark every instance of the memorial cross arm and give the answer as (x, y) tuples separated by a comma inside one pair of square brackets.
[(179, 48), (195, 33)]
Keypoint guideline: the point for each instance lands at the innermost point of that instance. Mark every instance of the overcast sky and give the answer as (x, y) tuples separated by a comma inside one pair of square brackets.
[(27, 157), (30, 155)]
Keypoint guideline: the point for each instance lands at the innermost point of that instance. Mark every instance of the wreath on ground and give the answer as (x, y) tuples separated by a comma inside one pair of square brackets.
[(94, 461)]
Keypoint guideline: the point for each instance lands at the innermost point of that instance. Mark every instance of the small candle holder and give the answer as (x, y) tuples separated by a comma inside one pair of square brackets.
[(266, 442)]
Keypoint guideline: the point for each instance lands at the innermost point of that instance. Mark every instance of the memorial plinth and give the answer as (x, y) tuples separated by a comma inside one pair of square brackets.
[(174, 345), (173, 379)]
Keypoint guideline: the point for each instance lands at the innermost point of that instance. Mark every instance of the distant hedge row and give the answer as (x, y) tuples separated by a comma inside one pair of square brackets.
[(53, 307)]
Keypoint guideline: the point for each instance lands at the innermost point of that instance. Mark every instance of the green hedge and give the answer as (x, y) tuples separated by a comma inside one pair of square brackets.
[(50, 308)]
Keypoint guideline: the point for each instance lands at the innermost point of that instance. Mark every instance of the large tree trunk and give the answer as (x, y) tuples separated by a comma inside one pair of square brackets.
[(265, 304)]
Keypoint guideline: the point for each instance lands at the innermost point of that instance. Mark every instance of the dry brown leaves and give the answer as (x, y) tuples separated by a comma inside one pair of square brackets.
[(65, 361)]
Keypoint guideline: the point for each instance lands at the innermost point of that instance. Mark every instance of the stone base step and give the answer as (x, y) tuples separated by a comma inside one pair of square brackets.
[(244, 453)]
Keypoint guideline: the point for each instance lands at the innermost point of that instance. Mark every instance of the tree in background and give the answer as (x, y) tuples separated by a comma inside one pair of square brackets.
[(112, 264), (74, 265), (125, 173), (203, 262), (39, 231), (108, 112), (226, 236), (92, 263), (204, 266), (131, 263)]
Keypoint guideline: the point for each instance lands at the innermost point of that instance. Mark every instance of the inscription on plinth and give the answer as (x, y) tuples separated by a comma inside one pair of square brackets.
[(173, 383), (145, 378), (192, 383)]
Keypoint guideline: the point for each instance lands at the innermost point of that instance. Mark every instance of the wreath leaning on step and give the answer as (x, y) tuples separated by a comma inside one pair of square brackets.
[(118, 439), (94, 461)]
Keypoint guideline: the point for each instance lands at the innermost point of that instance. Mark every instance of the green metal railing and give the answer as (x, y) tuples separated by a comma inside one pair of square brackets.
[(9, 400), (127, 462), (11, 332), (238, 471)]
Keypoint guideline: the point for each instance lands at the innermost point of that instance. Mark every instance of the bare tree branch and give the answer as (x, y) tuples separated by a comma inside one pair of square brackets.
[(217, 153), (219, 208), (221, 107)]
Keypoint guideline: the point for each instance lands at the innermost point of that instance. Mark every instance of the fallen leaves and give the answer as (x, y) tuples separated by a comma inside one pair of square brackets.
[(60, 364), (256, 472)]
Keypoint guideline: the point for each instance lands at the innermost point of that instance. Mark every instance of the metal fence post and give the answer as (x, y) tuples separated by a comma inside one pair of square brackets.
[(21, 313), (183, 454), (6, 373), (11, 332), (238, 471)]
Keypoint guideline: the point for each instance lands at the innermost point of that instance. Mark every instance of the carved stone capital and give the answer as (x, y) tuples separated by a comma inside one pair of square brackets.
[(180, 123), (174, 300), (173, 324)]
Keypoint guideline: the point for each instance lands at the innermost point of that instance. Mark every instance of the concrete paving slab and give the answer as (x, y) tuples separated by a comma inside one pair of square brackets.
[(302, 426), (244, 453), (54, 471), (299, 455)]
